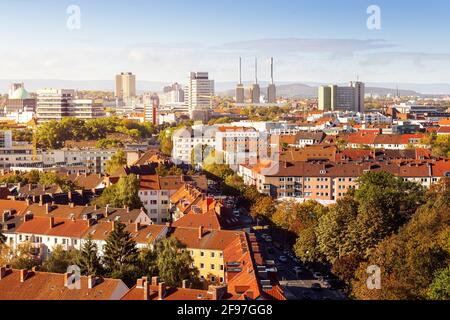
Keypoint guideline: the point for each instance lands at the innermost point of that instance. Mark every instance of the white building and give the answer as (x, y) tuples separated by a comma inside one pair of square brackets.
[(199, 95)]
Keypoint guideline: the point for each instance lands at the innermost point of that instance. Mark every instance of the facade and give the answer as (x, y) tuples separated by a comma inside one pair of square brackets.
[(125, 85), (199, 91), (185, 140), (337, 98), (20, 100), (326, 181), (53, 104)]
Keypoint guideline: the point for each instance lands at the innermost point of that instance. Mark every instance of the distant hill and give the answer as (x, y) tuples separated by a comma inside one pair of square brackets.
[(226, 88), (298, 90)]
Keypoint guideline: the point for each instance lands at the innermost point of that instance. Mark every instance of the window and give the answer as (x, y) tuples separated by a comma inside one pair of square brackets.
[(213, 266), (212, 254), (202, 266), (202, 254)]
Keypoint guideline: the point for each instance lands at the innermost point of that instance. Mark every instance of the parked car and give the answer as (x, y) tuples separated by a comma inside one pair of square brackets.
[(282, 259)]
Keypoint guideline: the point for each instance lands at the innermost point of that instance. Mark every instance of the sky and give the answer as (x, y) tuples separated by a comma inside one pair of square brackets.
[(323, 41)]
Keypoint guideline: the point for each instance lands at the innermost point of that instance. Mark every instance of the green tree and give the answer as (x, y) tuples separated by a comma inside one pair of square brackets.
[(125, 193), (116, 162), (410, 259), (385, 204), (87, 258), (174, 262), (121, 255), (440, 287), (59, 260), (332, 230)]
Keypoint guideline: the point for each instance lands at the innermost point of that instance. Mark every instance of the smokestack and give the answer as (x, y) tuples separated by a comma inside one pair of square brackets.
[(240, 70), (256, 70), (271, 70)]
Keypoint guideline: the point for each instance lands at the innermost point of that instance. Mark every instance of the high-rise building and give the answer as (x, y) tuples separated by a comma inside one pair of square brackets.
[(240, 91), (199, 94), (53, 104), (56, 104), (125, 85), (338, 98), (255, 90), (173, 94), (359, 95), (271, 89)]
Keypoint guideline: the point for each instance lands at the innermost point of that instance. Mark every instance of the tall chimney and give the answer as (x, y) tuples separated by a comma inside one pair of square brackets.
[(240, 70), (256, 70), (271, 70), (51, 222), (47, 208), (137, 226)]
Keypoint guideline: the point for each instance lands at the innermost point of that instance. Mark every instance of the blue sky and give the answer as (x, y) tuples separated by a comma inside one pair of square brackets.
[(317, 41)]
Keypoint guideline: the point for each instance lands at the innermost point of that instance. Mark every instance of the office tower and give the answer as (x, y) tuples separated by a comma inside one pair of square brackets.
[(325, 98), (173, 94), (240, 91), (359, 95), (271, 89), (125, 85), (56, 104), (255, 90), (199, 93), (336, 98), (53, 104)]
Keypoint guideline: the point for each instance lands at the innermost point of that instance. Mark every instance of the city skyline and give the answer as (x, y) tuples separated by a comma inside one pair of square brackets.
[(165, 41)]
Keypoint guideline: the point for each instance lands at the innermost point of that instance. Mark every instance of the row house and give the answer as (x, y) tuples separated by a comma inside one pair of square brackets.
[(384, 141), (327, 181)]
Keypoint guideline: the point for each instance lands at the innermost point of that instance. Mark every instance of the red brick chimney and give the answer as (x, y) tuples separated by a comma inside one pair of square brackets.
[(51, 222), (161, 290), (23, 275), (146, 289), (91, 280), (155, 281)]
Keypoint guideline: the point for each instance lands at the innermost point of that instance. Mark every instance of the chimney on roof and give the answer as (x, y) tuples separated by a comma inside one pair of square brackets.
[(146, 288), (51, 222), (30, 187), (70, 196), (23, 275), (72, 205), (44, 187), (91, 280), (155, 281), (249, 294), (137, 226), (47, 208), (128, 209), (41, 200), (217, 292), (28, 201), (185, 284), (200, 232), (3, 272), (95, 206), (161, 290), (113, 225)]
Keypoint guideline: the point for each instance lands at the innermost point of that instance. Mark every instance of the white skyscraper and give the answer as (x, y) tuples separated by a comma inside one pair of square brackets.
[(199, 93)]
